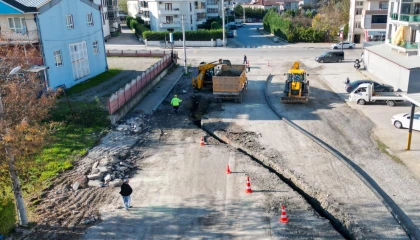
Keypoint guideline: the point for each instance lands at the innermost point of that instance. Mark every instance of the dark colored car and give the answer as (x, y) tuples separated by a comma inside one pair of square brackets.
[(233, 27), (333, 56), (377, 87), (230, 34)]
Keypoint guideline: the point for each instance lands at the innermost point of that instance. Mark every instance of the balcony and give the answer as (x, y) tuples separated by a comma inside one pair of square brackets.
[(405, 47), (394, 16), (19, 37), (201, 20), (169, 11), (411, 18), (174, 24)]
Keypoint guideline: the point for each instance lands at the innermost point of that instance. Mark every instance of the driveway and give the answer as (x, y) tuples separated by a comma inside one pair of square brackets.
[(126, 37)]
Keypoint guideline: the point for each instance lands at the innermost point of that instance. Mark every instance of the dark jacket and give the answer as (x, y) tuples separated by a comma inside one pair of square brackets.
[(126, 190)]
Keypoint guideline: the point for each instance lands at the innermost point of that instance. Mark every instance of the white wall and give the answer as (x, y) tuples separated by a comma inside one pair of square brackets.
[(389, 72)]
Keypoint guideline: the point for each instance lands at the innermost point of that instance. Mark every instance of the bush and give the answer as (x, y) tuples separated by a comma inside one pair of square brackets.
[(139, 29), (139, 20), (284, 28), (128, 20), (7, 216), (216, 25), (198, 35)]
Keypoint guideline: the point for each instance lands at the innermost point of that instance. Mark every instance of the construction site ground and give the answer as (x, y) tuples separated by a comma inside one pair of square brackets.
[(181, 189)]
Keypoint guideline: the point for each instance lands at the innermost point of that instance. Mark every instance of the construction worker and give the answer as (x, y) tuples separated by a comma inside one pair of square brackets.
[(245, 59), (175, 103)]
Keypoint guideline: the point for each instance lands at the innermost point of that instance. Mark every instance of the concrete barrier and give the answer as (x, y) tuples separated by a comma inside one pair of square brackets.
[(212, 43)]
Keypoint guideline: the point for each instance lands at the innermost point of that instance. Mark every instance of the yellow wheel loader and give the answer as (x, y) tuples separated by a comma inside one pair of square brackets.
[(296, 88), (206, 72)]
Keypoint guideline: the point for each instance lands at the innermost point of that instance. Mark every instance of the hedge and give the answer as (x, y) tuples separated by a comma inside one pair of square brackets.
[(283, 28), (139, 29), (198, 35)]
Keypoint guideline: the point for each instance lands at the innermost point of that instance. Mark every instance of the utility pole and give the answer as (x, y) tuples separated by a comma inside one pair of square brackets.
[(223, 22), (243, 8), (183, 43)]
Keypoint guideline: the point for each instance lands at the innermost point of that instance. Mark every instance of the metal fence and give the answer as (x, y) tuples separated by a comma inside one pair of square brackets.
[(122, 96), (138, 53)]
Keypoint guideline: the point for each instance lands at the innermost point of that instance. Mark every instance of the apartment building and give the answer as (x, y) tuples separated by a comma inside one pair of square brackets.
[(367, 21), (214, 9), (403, 30), (164, 15), (109, 15)]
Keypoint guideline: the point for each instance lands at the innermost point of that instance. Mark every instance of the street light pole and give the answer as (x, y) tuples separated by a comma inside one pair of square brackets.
[(223, 22), (183, 44)]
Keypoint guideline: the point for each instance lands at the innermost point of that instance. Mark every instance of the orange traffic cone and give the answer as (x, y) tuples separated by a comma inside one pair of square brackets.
[(283, 217), (228, 170), (202, 141), (248, 186)]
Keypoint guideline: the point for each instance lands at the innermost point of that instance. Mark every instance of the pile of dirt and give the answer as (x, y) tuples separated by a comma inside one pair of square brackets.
[(228, 74)]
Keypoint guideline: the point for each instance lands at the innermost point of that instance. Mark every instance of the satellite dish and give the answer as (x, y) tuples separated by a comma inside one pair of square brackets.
[(15, 70)]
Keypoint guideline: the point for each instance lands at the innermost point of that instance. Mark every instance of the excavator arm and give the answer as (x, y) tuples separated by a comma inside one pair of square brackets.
[(198, 81)]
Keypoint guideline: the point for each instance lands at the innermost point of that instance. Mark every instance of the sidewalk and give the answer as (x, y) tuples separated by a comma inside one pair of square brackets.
[(155, 97), (380, 114)]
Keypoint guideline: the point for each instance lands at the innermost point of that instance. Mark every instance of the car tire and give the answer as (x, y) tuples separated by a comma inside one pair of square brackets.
[(398, 124), (340, 60), (390, 103), (321, 61), (350, 47), (335, 47), (357, 61), (361, 102)]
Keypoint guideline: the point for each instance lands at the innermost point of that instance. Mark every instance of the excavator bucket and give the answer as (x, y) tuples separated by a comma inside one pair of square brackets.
[(295, 99)]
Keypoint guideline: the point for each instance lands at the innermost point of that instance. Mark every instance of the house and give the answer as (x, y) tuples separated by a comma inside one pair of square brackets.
[(110, 16), (280, 5), (367, 21), (164, 15), (68, 33)]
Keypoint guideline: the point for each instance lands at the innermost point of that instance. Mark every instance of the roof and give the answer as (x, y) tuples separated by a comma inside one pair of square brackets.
[(16, 4), (385, 51), (413, 98), (32, 3)]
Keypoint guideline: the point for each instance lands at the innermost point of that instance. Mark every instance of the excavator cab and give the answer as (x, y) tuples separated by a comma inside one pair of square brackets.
[(296, 88), (206, 72)]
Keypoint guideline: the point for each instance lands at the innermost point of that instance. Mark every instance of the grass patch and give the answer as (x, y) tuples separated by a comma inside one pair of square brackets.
[(7, 215), (95, 81), (383, 148)]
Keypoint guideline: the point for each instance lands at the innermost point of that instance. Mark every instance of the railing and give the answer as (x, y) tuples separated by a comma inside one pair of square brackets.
[(137, 53), (410, 18), (406, 45), (19, 36), (122, 96)]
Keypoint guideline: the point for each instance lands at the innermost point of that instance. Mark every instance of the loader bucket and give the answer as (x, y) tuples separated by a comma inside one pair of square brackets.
[(294, 99)]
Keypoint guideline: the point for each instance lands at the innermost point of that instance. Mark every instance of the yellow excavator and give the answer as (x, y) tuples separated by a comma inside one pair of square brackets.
[(296, 89), (206, 72)]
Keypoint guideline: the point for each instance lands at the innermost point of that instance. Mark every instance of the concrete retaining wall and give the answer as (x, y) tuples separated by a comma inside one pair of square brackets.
[(178, 43), (139, 96)]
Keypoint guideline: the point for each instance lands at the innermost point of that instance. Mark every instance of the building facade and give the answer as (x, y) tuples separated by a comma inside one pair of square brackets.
[(367, 21), (69, 34), (105, 18), (164, 15), (403, 28)]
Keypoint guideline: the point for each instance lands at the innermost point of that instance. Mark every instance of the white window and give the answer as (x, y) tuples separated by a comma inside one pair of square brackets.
[(17, 24), (69, 22), (359, 3), (95, 48), (89, 19), (357, 25), (79, 60), (58, 59), (359, 11)]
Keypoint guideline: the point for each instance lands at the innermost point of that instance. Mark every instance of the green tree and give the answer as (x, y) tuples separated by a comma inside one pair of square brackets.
[(239, 10), (122, 5), (23, 108)]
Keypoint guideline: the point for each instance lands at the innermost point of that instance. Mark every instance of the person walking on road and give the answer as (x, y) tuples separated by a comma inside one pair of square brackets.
[(245, 60), (175, 103), (125, 192)]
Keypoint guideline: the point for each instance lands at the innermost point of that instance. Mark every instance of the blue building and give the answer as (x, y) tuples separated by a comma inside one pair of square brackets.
[(69, 34)]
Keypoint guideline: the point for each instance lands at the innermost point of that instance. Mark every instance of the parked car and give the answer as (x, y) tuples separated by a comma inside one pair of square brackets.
[(347, 45), (403, 121), (336, 56), (230, 34), (233, 27), (377, 87)]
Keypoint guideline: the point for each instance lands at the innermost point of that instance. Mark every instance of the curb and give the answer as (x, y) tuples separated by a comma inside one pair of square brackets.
[(167, 93)]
